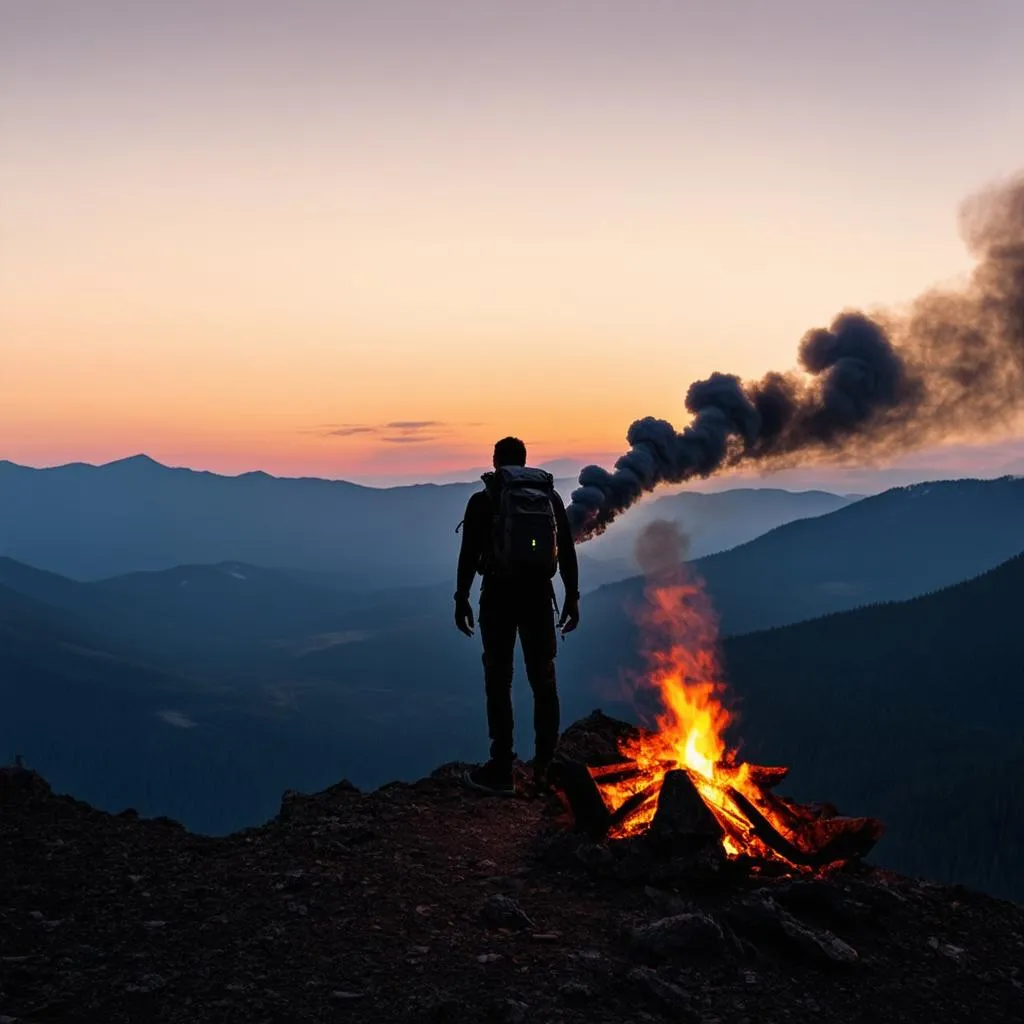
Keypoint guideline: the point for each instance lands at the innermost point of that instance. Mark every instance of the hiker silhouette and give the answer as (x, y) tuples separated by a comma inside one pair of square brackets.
[(516, 534)]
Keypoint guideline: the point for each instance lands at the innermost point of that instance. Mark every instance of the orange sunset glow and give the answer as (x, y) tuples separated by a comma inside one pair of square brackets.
[(241, 236)]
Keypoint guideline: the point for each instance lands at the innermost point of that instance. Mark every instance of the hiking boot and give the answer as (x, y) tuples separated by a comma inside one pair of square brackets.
[(491, 778)]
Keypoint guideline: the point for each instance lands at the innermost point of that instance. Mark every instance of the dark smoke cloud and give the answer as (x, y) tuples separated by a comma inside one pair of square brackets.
[(951, 365)]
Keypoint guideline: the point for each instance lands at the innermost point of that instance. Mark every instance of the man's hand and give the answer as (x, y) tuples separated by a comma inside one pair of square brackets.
[(463, 614), (570, 614)]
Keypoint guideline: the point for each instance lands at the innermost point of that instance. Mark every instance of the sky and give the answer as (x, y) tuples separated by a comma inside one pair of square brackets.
[(364, 240)]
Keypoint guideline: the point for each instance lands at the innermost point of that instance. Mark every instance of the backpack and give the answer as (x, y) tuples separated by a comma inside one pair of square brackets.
[(525, 530)]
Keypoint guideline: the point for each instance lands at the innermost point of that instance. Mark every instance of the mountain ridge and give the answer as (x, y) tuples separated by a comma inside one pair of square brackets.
[(91, 522)]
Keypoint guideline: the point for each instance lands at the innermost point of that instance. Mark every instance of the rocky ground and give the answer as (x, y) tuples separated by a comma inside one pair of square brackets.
[(429, 903)]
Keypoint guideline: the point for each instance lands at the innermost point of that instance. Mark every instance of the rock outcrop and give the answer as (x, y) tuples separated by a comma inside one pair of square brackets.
[(429, 903)]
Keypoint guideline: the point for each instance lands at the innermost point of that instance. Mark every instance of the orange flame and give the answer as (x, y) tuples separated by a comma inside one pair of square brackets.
[(681, 634), (683, 666)]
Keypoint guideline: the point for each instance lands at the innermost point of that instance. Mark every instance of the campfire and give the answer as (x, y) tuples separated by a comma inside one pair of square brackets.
[(681, 780)]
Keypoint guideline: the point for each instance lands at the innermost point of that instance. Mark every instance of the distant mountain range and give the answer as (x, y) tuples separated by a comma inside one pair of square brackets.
[(887, 547), (89, 522)]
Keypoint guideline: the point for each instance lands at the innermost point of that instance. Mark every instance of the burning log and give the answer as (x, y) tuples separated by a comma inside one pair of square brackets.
[(633, 805), (842, 839), (677, 806), (626, 771), (682, 814), (774, 840), (590, 813)]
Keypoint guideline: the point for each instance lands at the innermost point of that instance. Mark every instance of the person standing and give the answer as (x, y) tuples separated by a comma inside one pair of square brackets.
[(516, 534)]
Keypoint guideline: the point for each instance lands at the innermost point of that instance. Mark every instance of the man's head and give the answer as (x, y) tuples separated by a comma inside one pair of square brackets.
[(509, 451)]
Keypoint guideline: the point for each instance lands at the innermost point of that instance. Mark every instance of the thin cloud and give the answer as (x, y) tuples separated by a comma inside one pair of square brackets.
[(350, 430), (413, 424), (393, 432)]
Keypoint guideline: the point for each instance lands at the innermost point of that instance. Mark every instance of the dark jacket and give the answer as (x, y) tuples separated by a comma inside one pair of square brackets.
[(477, 540)]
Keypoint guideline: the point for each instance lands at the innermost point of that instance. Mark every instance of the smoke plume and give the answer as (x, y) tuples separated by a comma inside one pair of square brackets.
[(661, 548), (868, 386)]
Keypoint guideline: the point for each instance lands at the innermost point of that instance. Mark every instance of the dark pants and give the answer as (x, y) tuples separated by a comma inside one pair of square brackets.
[(507, 610)]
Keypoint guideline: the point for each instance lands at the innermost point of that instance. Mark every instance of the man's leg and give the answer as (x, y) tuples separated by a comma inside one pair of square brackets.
[(540, 645), (498, 631)]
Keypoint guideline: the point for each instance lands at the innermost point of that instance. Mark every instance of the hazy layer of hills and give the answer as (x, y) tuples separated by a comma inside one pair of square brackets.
[(887, 547), (204, 706), (203, 691), (717, 521), (230, 618), (89, 522), (94, 521)]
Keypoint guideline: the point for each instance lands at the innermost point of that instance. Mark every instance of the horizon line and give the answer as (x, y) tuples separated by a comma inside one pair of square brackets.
[(741, 484)]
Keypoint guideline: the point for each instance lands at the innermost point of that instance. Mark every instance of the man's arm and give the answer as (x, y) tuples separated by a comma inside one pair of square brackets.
[(472, 545), (473, 525), (568, 566)]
